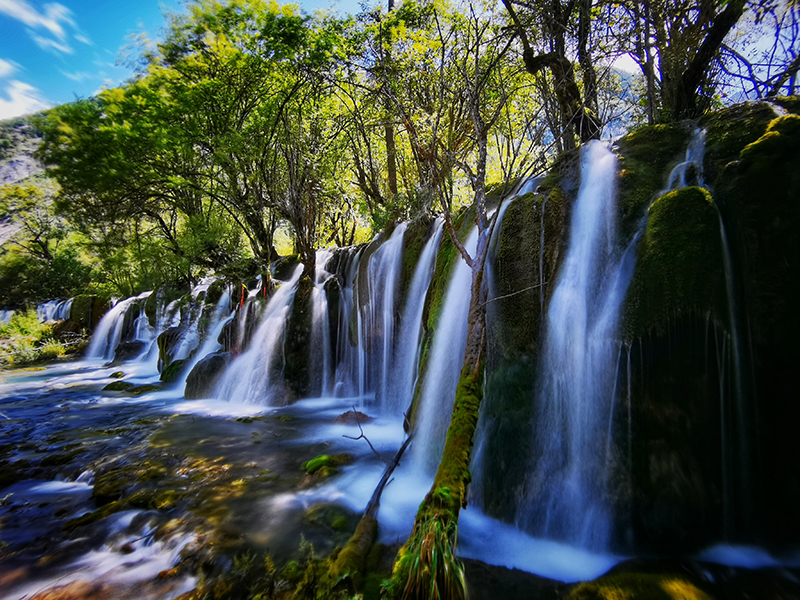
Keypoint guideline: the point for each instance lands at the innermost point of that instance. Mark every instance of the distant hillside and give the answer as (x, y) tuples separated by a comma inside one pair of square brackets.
[(18, 141)]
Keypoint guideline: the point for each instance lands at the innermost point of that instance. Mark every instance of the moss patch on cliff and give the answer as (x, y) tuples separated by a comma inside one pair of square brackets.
[(730, 130), (679, 268), (297, 348), (645, 158), (516, 310)]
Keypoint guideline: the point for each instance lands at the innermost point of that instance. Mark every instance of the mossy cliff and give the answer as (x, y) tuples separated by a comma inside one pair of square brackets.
[(529, 247), (692, 380), (680, 266), (760, 195)]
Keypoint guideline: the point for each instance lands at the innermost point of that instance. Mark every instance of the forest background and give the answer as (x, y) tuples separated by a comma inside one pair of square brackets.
[(253, 130)]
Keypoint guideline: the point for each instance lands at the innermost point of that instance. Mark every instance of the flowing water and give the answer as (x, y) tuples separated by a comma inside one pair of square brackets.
[(565, 497), (256, 376)]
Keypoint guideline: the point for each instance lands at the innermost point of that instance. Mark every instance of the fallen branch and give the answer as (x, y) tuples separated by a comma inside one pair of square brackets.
[(349, 563), (362, 436)]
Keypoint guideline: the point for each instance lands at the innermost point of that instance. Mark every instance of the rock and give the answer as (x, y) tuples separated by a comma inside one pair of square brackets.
[(297, 348), (171, 373), (205, 374), (128, 351), (63, 329), (87, 311), (118, 386)]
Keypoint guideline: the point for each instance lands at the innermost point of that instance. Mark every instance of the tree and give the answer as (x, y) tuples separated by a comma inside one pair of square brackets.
[(553, 21), (453, 80)]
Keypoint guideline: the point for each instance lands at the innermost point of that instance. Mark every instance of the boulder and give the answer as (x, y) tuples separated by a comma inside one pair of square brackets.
[(205, 374)]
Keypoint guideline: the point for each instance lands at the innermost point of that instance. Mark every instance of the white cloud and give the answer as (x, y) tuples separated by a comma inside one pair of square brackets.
[(53, 18), (22, 99), (83, 39), (48, 44), (6, 68), (626, 63), (78, 76)]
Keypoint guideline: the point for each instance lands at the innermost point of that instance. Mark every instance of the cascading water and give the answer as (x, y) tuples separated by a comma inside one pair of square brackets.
[(376, 318), (255, 377), (54, 310), (108, 332), (443, 368), (407, 349), (565, 496), (222, 314), (321, 359)]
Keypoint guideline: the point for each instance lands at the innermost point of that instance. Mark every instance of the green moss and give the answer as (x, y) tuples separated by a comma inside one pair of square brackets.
[(789, 103), (645, 158), (118, 386), (117, 375), (171, 373), (730, 130), (759, 192), (632, 586), (325, 464), (679, 268)]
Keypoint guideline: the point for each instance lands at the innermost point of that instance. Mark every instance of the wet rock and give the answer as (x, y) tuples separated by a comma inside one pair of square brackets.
[(128, 351), (171, 373), (118, 386), (205, 375)]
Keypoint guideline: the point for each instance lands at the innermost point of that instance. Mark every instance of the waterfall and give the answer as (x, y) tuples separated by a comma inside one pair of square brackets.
[(54, 310), (321, 359), (109, 331), (443, 368), (347, 352), (565, 496), (255, 377), (222, 314), (406, 360), (377, 316)]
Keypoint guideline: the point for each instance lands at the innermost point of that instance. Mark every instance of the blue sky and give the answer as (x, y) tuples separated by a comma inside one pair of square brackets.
[(53, 52)]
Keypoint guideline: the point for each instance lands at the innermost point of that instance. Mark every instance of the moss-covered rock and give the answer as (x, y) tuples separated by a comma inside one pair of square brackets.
[(297, 347), (646, 156), (325, 465), (730, 130), (788, 103), (140, 390), (631, 586), (416, 235), (171, 373), (87, 310), (680, 266), (204, 376), (118, 386)]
